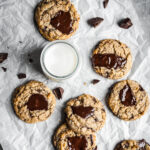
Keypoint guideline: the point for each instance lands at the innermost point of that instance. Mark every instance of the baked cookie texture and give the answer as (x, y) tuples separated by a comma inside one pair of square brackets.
[(46, 10), (128, 100), (33, 102), (133, 145), (85, 114), (66, 138), (112, 59)]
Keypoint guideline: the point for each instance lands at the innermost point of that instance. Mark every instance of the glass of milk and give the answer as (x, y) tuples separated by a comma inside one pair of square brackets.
[(59, 60)]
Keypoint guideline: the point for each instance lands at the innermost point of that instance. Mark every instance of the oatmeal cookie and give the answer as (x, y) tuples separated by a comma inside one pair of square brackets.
[(112, 59), (128, 100), (85, 114), (33, 102), (56, 19), (133, 145), (68, 139)]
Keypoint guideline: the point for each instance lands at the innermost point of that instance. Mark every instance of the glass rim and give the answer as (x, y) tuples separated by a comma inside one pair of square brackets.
[(43, 64)]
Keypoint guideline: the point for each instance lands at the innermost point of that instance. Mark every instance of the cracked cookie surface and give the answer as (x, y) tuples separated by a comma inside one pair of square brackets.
[(112, 59), (33, 102), (85, 114), (56, 19), (66, 138), (128, 100), (133, 145)]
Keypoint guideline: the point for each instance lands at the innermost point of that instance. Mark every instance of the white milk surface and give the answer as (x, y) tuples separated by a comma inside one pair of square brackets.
[(60, 59)]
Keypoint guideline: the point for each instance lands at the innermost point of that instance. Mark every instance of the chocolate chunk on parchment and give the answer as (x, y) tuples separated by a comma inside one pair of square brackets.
[(105, 3), (95, 81), (4, 69), (3, 56), (58, 92), (94, 22), (125, 23), (21, 75)]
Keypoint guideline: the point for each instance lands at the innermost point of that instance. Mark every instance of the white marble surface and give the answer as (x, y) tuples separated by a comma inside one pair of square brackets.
[(16, 24)]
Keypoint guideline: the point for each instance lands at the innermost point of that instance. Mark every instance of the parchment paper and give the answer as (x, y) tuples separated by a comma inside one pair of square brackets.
[(19, 37)]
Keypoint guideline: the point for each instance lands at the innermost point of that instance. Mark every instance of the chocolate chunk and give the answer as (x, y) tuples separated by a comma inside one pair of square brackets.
[(91, 137), (125, 23), (141, 88), (95, 148), (126, 96), (30, 60), (4, 69), (3, 56), (108, 60), (77, 143), (95, 81), (21, 75), (58, 92), (84, 112), (94, 22), (20, 42), (105, 3), (62, 21), (37, 102)]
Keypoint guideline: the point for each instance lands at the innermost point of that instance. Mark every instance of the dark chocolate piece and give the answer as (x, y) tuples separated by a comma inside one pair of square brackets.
[(58, 92), (30, 60), (126, 96), (94, 22), (21, 75), (125, 23), (141, 88), (77, 143), (108, 60), (37, 102), (84, 112), (3, 56), (95, 81), (105, 3), (4, 69), (62, 21)]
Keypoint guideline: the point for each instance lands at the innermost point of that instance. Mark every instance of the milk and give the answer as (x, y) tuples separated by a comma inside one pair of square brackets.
[(60, 59)]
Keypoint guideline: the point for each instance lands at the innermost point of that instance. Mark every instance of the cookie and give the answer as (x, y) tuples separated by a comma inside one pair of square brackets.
[(56, 19), (33, 102), (85, 114), (63, 128), (112, 59), (68, 139), (128, 100), (133, 145)]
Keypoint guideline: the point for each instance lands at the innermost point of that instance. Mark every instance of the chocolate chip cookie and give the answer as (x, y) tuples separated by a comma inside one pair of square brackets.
[(112, 59), (128, 100), (133, 145), (68, 139), (33, 102), (85, 114), (56, 19)]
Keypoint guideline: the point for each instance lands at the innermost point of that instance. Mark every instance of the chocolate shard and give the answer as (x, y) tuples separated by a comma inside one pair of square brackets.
[(58, 92), (21, 75), (95, 81), (125, 23), (4, 69), (3, 56), (94, 22), (105, 3), (30, 60)]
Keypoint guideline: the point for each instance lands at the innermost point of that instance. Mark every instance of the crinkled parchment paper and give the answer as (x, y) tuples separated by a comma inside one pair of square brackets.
[(19, 37)]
